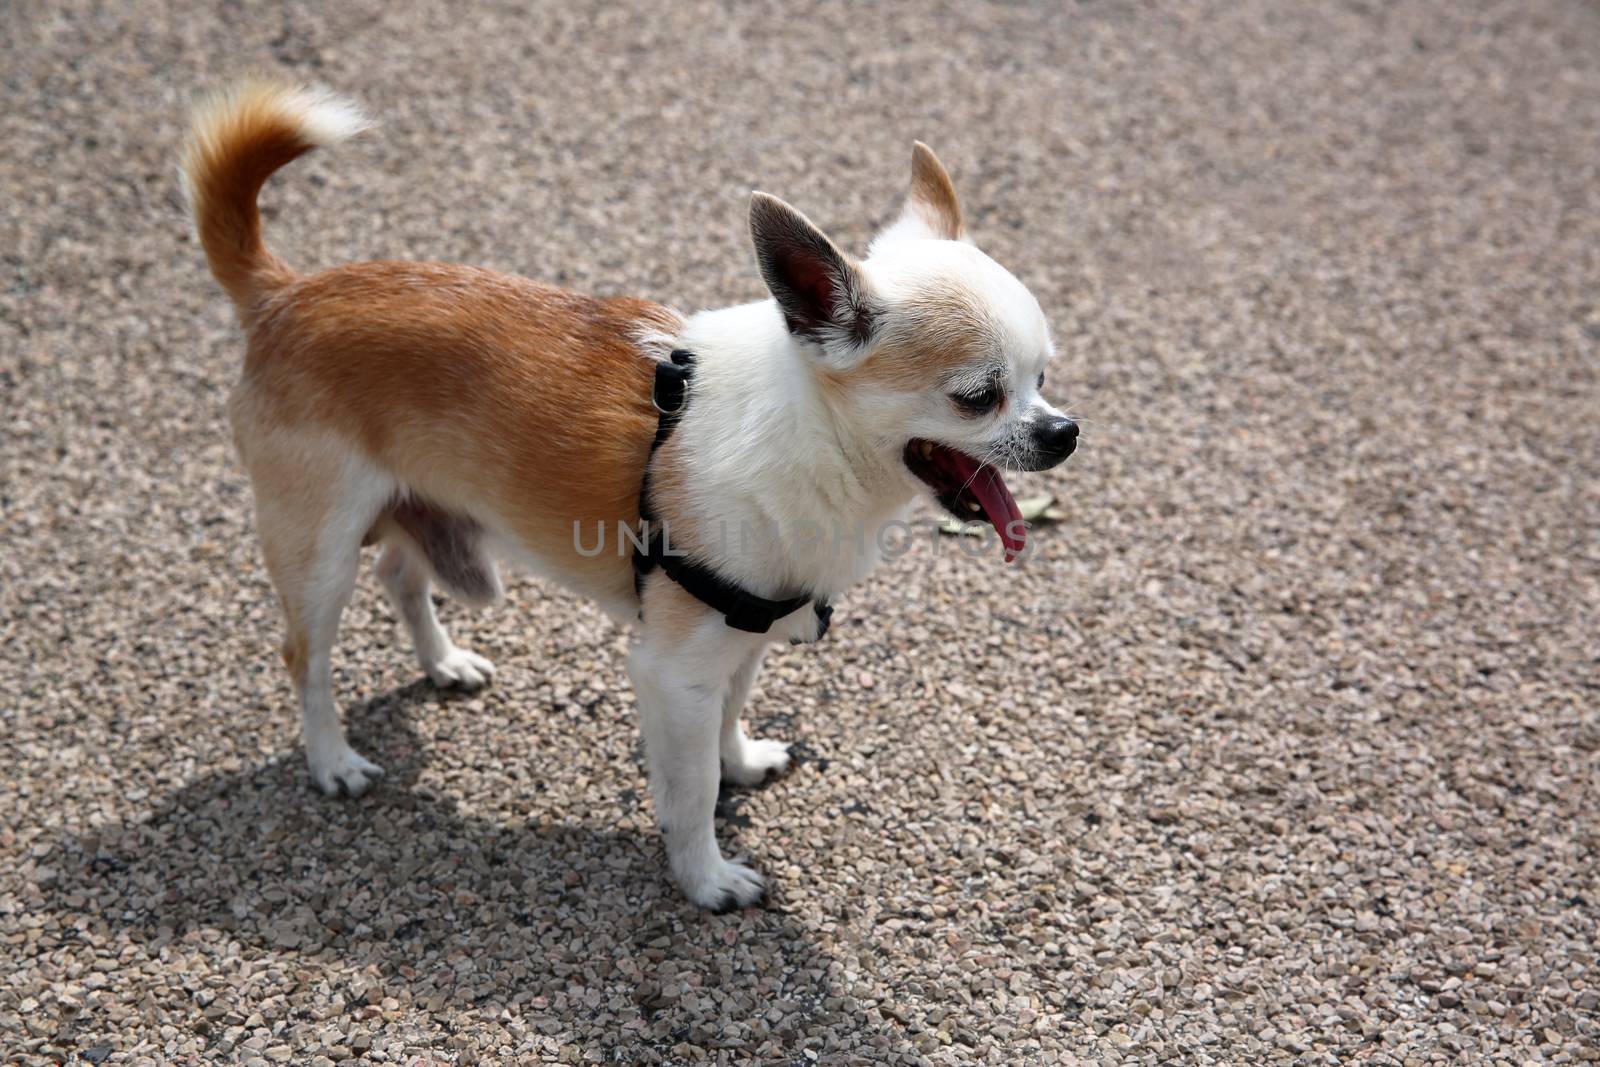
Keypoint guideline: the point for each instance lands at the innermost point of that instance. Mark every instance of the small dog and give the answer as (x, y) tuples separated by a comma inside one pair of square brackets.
[(456, 417)]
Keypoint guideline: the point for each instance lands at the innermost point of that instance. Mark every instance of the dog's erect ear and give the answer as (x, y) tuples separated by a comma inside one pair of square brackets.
[(932, 210), (820, 290), (933, 195)]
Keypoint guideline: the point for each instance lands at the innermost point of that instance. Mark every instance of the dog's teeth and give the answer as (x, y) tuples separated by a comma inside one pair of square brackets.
[(972, 505), (927, 450)]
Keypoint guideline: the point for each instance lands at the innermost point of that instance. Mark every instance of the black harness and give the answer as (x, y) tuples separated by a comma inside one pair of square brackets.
[(742, 609)]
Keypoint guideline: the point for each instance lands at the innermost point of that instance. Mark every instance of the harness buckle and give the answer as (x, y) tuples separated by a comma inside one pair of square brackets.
[(671, 389)]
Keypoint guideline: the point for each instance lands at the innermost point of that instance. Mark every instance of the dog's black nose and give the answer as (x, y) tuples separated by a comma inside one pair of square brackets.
[(1056, 439)]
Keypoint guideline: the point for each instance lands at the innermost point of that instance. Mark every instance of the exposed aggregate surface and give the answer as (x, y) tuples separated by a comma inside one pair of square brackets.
[(1283, 749)]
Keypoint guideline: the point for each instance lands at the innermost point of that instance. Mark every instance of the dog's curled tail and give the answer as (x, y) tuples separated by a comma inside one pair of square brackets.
[(237, 138)]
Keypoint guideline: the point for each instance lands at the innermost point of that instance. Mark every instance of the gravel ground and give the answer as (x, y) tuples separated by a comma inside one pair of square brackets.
[(1284, 748)]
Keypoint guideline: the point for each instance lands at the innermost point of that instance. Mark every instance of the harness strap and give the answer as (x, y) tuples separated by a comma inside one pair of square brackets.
[(740, 608)]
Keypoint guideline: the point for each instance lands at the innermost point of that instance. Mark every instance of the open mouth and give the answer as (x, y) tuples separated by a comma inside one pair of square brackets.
[(969, 489)]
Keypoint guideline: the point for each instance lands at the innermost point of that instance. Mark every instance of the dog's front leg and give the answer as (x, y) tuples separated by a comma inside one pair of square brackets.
[(747, 761), (680, 700)]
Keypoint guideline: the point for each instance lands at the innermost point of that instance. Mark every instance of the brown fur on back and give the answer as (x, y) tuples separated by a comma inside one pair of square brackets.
[(479, 391)]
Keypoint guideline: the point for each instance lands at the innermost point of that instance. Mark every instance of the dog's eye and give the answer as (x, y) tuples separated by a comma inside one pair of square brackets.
[(1041, 379), (979, 403)]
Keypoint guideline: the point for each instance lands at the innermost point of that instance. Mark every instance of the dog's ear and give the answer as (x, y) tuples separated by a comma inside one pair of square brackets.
[(932, 210), (821, 291)]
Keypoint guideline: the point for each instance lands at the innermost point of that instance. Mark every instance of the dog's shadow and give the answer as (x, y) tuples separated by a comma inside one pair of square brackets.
[(401, 895)]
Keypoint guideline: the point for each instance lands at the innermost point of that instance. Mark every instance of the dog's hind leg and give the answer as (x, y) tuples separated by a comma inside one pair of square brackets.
[(405, 578), (746, 761), (313, 508)]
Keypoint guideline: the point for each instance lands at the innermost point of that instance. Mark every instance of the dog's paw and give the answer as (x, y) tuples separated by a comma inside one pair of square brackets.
[(755, 762), (460, 669), (342, 769), (724, 886)]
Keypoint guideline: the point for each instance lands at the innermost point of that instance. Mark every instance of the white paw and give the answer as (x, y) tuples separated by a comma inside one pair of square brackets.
[(341, 769), (723, 885), (461, 669), (754, 761)]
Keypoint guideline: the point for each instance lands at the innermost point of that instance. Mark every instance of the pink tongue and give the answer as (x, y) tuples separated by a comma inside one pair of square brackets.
[(998, 504)]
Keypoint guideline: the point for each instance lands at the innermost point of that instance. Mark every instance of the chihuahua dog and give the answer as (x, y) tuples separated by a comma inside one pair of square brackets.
[(459, 417)]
